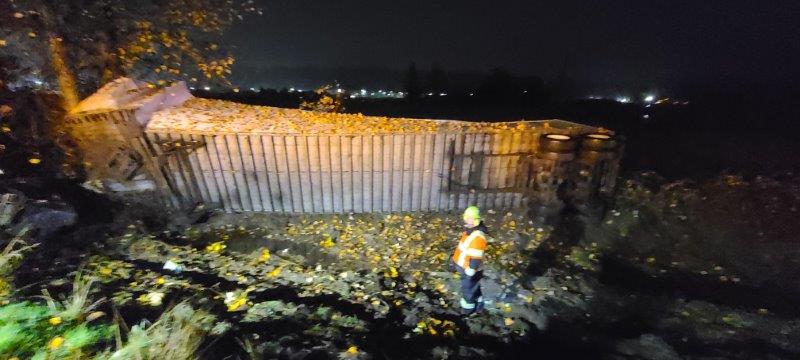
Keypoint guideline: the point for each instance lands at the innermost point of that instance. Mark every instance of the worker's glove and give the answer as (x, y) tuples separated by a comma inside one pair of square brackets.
[(469, 272)]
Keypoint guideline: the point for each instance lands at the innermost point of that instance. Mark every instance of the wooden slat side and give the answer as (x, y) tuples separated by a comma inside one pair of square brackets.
[(250, 173), (284, 183)]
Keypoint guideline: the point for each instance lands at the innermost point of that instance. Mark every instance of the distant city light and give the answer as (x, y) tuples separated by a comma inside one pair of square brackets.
[(442, 94), (339, 91), (649, 98), (471, 94), (206, 88), (291, 89), (378, 94), (645, 116), (430, 94), (253, 89), (623, 99)]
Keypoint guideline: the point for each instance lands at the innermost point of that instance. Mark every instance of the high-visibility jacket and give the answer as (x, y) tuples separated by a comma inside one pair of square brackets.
[(469, 252)]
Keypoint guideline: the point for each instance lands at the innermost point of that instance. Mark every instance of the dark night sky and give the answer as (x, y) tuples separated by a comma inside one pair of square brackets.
[(659, 42)]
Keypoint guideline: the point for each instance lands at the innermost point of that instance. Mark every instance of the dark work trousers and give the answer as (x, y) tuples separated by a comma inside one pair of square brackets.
[(472, 298)]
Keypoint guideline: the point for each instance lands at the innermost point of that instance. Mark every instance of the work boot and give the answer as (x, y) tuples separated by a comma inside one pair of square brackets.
[(478, 307), (467, 308), (477, 310)]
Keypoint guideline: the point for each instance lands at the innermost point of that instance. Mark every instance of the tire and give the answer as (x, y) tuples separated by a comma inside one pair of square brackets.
[(591, 156), (557, 143), (598, 142)]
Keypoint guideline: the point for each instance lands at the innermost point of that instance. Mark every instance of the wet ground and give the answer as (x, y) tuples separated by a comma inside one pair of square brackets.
[(668, 270)]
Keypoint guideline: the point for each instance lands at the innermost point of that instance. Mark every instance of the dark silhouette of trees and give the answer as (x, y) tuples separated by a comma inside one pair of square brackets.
[(499, 86), (563, 88), (533, 90), (437, 80), (411, 83)]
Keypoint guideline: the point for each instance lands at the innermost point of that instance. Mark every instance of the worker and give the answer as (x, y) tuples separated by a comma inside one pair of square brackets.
[(468, 260)]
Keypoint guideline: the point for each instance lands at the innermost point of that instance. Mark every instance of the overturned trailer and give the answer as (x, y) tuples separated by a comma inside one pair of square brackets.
[(239, 157)]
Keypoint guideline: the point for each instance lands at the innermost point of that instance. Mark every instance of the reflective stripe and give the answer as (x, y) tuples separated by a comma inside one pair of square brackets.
[(465, 249), (466, 305), (472, 236), (462, 258), (474, 253)]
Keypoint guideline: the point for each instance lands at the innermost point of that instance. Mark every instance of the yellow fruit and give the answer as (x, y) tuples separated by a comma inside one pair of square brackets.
[(55, 343), (55, 320), (328, 242), (265, 255), (237, 303), (215, 247), (352, 350)]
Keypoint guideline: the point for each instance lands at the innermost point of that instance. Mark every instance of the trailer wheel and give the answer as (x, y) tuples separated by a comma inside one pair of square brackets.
[(556, 143), (598, 142), (592, 156)]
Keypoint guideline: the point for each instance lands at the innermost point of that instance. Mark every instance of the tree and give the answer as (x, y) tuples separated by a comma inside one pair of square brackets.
[(87, 43), (27, 136), (411, 83), (563, 87), (437, 80), (324, 102), (499, 86)]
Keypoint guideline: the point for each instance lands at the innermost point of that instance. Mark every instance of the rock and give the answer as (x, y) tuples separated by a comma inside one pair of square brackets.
[(472, 352), (549, 214), (535, 316), (521, 241), (648, 346), (10, 205), (44, 221), (544, 282)]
